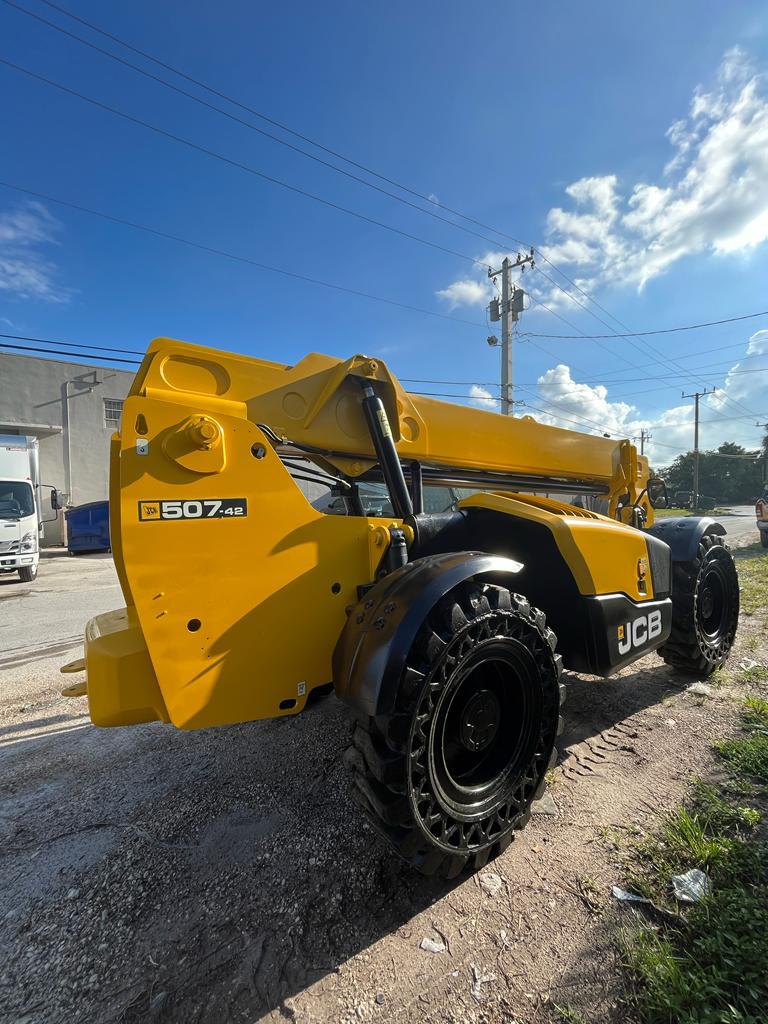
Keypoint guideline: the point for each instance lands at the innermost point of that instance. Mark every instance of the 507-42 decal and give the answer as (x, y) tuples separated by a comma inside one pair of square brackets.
[(204, 508)]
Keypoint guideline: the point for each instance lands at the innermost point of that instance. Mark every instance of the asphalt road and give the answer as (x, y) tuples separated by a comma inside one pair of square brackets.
[(46, 618), (740, 524)]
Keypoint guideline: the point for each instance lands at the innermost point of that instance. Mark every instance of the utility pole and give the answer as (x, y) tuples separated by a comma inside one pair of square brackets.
[(645, 435), (508, 310), (696, 396)]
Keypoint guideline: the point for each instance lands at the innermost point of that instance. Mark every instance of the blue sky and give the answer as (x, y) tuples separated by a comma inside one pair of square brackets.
[(630, 142)]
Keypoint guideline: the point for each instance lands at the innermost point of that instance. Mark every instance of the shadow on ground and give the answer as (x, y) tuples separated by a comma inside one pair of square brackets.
[(166, 876)]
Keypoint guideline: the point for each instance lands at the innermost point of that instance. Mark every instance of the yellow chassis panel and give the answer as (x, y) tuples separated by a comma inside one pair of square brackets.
[(603, 555)]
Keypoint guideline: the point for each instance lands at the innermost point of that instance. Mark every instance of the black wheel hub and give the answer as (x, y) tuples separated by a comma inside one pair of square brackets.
[(714, 604), (479, 721)]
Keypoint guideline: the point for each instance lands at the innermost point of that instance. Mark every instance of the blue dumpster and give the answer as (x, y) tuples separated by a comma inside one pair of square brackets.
[(88, 527)]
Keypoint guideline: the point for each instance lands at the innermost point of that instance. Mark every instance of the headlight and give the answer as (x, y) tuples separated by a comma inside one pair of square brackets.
[(29, 542)]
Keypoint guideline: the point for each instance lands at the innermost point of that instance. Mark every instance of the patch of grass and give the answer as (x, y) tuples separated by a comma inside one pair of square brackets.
[(747, 757), (721, 815), (707, 967), (755, 712), (752, 642), (753, 579)]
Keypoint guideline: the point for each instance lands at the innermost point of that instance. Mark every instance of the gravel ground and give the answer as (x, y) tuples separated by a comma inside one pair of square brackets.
[(224, 875)]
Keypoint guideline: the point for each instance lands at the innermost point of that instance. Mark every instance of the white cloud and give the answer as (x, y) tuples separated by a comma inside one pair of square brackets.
[(713, 196), (24, 272), (483, 398), (724, 414), (465, 292)]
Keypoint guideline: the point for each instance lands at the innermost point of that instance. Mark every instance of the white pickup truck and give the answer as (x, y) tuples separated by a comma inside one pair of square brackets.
[(761, 513), (21, 502)]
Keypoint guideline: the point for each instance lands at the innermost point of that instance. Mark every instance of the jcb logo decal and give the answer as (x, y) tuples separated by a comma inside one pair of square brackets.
[(204, 508), (639, 631)]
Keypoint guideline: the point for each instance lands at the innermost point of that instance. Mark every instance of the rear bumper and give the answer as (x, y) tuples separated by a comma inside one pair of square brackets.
[(121, 683)]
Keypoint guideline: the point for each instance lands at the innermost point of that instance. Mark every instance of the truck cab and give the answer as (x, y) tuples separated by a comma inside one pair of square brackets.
[(21, 521)]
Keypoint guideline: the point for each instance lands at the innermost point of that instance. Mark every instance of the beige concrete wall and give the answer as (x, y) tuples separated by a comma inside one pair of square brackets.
[(33, 401)]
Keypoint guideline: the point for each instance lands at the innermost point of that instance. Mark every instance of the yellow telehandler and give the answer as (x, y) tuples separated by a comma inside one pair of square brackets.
[(281, 531)]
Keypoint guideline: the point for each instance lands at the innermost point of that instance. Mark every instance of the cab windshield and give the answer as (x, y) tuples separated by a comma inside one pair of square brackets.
[(16, 500)]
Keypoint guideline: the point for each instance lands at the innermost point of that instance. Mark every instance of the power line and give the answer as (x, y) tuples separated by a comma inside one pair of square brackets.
[(61, 352), (303, 152), (285, 128), (233, 256), (575, 418), (73, 344), (80, 346), (641, 334), (246, 124), (277, 124), (669, 362), (164, 133), (429, 211)]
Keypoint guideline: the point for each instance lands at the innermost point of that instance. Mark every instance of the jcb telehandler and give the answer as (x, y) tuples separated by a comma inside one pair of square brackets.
[(438, 588)]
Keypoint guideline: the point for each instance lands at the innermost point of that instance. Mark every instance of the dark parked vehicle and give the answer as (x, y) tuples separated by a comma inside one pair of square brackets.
[(683, 499)]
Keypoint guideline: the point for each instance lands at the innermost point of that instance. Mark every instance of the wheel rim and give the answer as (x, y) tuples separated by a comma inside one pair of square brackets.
[(482, 733), (484, 726), (714, 606)]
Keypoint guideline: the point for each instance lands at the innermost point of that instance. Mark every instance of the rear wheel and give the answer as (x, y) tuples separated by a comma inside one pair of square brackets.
[(452, 773), (705, 610), (28, 573)]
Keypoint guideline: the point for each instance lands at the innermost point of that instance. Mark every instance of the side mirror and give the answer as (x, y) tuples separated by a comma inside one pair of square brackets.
[(55, 500), (657, 493)]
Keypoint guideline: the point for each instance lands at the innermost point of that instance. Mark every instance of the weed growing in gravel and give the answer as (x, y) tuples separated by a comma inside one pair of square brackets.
[(567, 1015), (748, 757), (756, 674), (708, 966)]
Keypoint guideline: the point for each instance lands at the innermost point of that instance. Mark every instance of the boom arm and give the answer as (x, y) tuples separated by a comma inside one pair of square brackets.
[(316, 404)]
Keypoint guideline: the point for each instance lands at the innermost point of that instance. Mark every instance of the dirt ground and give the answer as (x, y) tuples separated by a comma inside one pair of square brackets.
[(225, 875)]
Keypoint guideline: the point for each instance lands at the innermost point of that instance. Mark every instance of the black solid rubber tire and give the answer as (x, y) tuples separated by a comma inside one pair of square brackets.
[(393, 776), (690, 648), (27, 574)]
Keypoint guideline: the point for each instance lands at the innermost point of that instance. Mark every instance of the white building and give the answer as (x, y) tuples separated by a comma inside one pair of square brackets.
[(73, 409)]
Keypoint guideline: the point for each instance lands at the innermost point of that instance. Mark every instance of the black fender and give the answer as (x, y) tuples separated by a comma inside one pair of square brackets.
[(682, 534), (371, 652)]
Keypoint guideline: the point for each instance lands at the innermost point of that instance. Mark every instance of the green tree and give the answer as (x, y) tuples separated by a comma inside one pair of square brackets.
[(730, 474)]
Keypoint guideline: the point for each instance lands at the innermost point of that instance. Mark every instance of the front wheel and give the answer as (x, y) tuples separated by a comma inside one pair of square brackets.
[(28, 573), (705, 610), (450, 775)]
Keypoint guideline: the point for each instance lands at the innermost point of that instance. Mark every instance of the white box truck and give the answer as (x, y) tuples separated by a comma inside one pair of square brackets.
[(21, 505)]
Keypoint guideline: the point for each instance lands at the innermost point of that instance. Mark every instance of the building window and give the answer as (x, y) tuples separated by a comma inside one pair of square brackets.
[(113, 408)]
